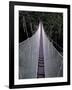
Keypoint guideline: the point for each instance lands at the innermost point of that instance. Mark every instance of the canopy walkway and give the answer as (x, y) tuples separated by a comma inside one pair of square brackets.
[(38, 58)]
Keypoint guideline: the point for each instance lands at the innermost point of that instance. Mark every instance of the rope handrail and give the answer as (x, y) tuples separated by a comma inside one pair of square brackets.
[(56, 44)]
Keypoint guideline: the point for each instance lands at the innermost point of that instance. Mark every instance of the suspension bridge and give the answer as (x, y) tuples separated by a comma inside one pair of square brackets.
[(38, 58)]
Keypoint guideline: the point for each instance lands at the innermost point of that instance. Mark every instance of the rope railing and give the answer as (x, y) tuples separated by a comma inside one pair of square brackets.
[(56, 44)]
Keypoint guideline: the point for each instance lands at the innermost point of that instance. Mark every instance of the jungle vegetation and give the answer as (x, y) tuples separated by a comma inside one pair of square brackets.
[(52, 22)]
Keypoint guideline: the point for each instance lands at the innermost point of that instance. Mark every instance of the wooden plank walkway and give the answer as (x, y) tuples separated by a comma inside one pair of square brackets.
[(41, 72)]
